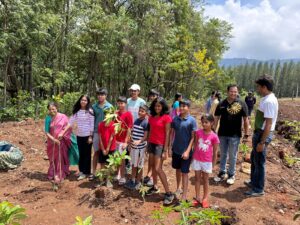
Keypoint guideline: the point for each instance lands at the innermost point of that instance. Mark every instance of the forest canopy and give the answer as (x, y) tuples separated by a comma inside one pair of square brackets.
[(49, 47)]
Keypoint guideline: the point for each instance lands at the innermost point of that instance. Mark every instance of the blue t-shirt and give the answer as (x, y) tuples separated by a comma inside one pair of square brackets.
[(134, 105), (183, 128), (99, 113)]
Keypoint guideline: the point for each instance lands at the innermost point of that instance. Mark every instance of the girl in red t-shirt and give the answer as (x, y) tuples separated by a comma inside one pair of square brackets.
[(159, 129)]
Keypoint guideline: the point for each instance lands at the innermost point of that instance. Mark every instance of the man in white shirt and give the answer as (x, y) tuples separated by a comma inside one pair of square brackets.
[(134, 102), (265, 121)]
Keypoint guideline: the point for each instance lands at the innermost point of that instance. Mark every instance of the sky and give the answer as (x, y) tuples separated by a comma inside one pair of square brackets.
[(262, 29)]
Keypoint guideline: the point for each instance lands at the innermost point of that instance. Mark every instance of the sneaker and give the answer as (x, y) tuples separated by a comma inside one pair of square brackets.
[(109, 184), (146, 179), (150, 183), (248, 183), (169, 197), (79, 174), (152, 190), (254, 194), (122, 181), (130, 185), (81, 177), (231, 180), (178, 193), (92, 177), (221, 176), (137, 185)]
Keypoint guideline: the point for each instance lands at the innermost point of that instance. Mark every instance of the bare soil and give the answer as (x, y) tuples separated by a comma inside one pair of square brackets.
[(28, 186)]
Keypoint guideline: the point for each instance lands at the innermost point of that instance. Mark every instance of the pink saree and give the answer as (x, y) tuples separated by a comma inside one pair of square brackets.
[(58, 154)]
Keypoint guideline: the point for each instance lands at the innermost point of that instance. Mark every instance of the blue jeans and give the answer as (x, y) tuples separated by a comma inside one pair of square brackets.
[(258, 161), (229, 146)]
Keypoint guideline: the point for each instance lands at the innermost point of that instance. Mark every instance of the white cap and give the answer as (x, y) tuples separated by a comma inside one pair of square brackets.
[(135, 87)]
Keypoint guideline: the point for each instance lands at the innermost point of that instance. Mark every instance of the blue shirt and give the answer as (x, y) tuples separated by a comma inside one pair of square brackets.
[(184, 128), (99, 113), (133, 106)]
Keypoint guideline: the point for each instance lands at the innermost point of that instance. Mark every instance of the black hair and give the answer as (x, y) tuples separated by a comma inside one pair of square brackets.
[(267, 81), (144, 107), (218, 96), (122, 99), (154, 92), (52, 104), (208, 117), (231, 86), (177, 96), (163, 103), (102, 91), (214, 93), (77, 105), (185, 102)]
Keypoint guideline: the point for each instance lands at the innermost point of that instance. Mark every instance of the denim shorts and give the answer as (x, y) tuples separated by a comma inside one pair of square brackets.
[(155, 149)]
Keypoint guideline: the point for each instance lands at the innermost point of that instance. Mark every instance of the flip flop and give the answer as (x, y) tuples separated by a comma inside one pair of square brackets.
[(196, 203), (205, 204)]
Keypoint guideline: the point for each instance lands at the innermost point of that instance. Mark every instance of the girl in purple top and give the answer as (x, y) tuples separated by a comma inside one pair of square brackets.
[(204, 157), (82, 121)]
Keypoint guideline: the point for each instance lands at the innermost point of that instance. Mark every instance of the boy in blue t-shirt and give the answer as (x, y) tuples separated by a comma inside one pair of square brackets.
[(137, 148)]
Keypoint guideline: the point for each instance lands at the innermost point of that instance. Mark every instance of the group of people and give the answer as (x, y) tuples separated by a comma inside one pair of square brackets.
[(158, 132)]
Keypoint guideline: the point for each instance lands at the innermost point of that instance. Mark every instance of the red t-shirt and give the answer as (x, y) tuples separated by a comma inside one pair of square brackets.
[(105, 133), (126, 123), (157, 134)]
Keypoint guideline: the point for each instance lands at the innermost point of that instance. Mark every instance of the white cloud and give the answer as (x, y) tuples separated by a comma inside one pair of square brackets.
[(265, 31)]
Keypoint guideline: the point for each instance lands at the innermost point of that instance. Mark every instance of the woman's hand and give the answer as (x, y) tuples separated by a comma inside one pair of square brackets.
[(56, 141), (124, 146), (90, 140), (60, 136)]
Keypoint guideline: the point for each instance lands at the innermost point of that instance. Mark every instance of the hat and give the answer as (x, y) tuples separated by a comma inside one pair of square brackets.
[(135, 87)]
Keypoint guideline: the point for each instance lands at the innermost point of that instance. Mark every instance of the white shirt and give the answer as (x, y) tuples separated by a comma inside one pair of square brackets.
[(269, 106)]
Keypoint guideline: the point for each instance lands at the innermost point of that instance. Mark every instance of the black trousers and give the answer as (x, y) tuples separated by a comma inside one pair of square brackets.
[(84, 155)]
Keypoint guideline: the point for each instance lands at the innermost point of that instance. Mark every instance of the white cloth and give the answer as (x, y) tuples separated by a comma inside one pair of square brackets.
[(84, 123), (202, 166), (269, 106)]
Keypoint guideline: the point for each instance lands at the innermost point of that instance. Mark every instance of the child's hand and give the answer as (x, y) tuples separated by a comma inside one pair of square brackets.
[(185, 155), (164, 155), (105, 152), (215, 168), (124, 146), (136, 142)]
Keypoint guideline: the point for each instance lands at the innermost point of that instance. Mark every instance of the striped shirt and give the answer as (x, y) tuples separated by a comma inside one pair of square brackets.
[(138, 132), (82, 123)]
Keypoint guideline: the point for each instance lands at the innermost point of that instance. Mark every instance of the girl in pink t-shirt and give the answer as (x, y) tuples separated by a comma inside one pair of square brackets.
[(204, 157)]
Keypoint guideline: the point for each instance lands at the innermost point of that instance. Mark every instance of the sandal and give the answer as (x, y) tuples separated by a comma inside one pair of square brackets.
[(196, 203), (205, 204)]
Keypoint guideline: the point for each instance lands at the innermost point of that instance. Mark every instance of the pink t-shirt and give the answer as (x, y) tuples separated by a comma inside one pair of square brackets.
[(204, 148)]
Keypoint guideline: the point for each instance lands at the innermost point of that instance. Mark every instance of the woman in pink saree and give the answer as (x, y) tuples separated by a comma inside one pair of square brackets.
[(57, 150)]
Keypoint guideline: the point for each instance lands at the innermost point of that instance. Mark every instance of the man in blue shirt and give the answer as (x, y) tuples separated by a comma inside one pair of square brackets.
[(183, 132), (99, 113)]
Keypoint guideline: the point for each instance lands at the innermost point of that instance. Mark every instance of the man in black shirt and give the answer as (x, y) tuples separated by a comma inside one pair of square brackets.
[(230, 112), (250, 100)]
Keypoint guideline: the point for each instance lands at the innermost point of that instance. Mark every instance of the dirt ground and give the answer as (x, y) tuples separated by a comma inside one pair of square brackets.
[(28, 186)]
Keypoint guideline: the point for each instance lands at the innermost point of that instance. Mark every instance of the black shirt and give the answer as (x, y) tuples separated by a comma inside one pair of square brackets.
[(231, 117), (250, 101)]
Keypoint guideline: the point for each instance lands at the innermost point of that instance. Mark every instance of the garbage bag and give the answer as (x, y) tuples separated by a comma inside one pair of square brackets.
[(10, 156)]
